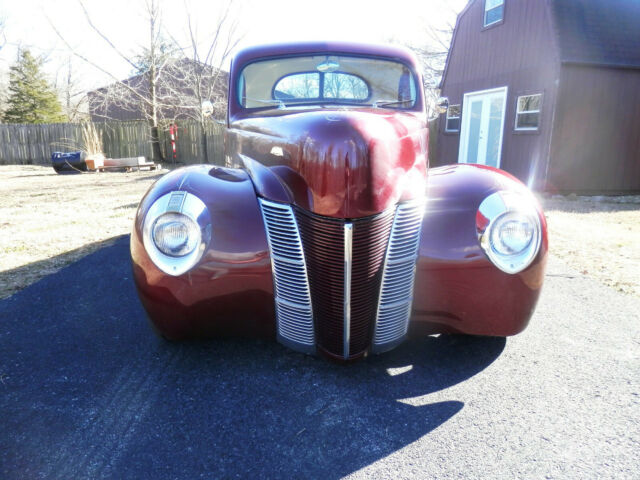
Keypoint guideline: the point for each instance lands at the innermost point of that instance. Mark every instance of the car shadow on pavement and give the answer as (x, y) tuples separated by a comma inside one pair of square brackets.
[(88, 391), (15, 279)]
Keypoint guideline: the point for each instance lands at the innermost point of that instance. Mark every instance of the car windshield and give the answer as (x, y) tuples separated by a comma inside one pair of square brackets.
[(327, 79)]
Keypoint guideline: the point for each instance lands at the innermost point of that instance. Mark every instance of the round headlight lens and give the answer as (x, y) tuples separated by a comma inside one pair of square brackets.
[(175, 234), (512, 233), (509, 230)]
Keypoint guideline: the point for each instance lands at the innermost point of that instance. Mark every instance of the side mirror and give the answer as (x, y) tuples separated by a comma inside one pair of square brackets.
[(442, 105)]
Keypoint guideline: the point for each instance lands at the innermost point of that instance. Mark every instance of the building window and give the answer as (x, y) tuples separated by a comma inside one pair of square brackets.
[(528, 112), (453, 119), (493, 11)]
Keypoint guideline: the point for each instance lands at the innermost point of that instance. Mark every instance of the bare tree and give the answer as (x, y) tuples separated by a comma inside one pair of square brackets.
[(146, 98), (432, 52), (155, 67), (203, 80), (171, 80), (345, 86), (73, 96), (433, 56)]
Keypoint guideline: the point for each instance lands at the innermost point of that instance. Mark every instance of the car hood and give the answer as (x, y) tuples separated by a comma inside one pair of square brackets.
[(345, 163)]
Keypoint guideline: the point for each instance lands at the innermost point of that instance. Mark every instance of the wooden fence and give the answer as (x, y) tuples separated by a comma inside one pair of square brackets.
[(33, 144)]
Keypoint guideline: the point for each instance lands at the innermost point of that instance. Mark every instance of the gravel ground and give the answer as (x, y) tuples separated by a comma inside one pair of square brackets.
[(48, 221)]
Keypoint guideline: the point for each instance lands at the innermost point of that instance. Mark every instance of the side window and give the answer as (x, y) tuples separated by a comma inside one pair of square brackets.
[(345, 86), (298, 86), (528, 112), (242, 91), (493, 11), (406, 88), (453, 119)]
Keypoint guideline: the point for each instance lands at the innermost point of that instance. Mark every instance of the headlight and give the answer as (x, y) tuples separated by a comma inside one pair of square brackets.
[(175, 234), (509, 230), (176, 231), (511, 234)]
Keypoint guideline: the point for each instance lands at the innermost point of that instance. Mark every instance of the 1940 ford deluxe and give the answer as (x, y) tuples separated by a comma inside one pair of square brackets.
[(326, 229)]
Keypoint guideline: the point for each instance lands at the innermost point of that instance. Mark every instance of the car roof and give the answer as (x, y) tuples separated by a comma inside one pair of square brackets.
[(256, 52)]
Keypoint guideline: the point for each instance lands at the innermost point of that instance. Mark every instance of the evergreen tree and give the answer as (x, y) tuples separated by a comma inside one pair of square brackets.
[(31, 98)]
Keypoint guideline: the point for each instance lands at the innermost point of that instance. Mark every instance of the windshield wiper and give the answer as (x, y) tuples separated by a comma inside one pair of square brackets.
[(386, 103), (274, 102)]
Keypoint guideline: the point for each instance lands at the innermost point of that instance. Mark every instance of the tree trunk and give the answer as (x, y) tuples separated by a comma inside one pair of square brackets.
[(156, 151), (203, 136), (155, 138)]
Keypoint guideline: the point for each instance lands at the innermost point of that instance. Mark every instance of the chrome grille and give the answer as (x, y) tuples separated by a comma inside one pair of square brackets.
[(308, 255), (394, 307), (293, 300), (344, 312)]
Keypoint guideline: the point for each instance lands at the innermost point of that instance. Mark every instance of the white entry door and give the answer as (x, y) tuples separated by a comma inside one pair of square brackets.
[(482, 127)]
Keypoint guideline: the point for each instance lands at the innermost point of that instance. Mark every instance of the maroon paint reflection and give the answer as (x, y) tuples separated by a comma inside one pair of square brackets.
[(457, 288), (338, 163), (230, 290)]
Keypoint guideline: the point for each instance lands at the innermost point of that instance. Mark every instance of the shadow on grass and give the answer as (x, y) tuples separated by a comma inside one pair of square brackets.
[(90, 392), (127, 206), (151, 177), (40, 175)]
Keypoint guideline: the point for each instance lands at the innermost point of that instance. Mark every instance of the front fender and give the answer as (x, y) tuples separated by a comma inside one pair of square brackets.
[(457, 288), (230, 290)]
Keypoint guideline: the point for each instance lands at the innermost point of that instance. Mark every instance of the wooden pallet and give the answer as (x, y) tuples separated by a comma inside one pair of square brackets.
[(129, 168), (121, 164)]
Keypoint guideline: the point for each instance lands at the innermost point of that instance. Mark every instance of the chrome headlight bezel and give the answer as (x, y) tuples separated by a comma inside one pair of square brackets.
[(177, 203), (493, 213)]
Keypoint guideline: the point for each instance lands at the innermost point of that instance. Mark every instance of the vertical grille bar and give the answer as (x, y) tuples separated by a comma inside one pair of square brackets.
[(396, 295), (293, 299), (370, 239), (323, 243), (344, 308), (348, 260)]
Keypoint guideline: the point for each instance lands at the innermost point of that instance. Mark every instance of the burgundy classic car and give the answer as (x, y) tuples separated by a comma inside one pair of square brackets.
[(326, 230)]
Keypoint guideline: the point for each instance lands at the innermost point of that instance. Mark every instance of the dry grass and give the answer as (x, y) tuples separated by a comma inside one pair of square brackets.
[(91, 139), (599, 237), (48, 221)]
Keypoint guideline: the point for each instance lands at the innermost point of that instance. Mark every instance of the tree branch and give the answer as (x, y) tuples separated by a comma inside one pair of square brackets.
[(104, 37)]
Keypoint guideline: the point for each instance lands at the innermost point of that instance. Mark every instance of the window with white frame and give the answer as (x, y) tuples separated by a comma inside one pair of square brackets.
[(528, 112), (453, 119), (493, 11)]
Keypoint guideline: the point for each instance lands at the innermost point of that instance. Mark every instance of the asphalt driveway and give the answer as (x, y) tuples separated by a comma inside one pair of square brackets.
[(88, 391)]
